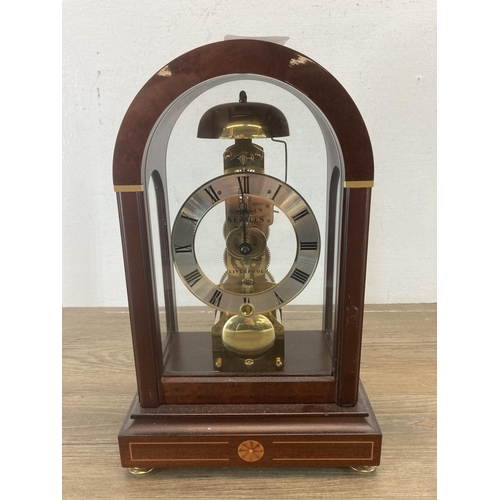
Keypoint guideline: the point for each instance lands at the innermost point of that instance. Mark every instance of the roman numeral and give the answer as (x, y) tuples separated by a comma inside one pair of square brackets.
[(244, 183), (278, 298), (276, 192), (299, 276), (213, 195), (194, 221), (246, 300), (183, 248), (193, 278), (308, 245), (216, 298), (298, 216)]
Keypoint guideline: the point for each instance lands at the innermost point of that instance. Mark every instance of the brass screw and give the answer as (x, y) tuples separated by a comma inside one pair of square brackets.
[(218, 362), (246, 310), (249, 362), (279, 362)]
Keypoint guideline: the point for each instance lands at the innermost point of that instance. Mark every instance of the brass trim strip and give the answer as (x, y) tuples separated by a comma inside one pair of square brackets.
[(129, 188), (358, 184)]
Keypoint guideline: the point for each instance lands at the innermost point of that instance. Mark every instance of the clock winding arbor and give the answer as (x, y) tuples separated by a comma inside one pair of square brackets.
[(248, 392)]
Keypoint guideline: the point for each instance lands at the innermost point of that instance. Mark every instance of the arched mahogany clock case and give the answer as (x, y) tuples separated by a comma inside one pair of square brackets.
[(185, 421)]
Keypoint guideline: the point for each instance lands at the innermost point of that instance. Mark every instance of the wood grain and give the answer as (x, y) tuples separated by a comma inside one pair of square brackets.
[(398, 369)]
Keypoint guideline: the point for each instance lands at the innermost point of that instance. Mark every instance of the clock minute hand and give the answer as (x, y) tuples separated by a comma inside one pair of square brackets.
[(245, 247)]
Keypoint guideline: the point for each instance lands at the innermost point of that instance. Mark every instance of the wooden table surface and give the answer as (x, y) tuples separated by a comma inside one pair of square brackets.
[(398, 371)]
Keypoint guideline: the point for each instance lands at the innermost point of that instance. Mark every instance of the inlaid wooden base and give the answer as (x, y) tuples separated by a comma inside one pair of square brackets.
[(250, 435)]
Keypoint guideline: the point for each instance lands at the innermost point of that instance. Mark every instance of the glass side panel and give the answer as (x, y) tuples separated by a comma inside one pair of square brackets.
[(154, 228)]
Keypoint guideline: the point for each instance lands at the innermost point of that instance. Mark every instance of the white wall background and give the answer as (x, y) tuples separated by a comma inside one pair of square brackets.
[(382, 51)]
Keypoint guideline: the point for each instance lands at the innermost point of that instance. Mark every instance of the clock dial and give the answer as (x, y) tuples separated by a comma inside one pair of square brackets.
[(251, 200)]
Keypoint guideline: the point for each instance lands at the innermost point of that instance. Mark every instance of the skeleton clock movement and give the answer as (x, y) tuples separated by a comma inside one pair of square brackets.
[(241, 217)]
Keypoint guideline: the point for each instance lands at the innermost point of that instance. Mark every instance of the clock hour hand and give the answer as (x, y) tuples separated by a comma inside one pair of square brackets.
[(245, 247)]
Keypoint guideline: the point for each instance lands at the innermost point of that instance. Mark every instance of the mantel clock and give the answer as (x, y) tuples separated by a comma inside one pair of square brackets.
[(246, 234)]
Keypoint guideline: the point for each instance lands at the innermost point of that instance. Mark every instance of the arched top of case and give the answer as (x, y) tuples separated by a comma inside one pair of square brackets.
[(257, 57)]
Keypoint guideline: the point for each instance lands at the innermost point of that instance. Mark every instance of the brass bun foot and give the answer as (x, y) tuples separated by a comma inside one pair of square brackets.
[(139, 471), (364, 469)]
